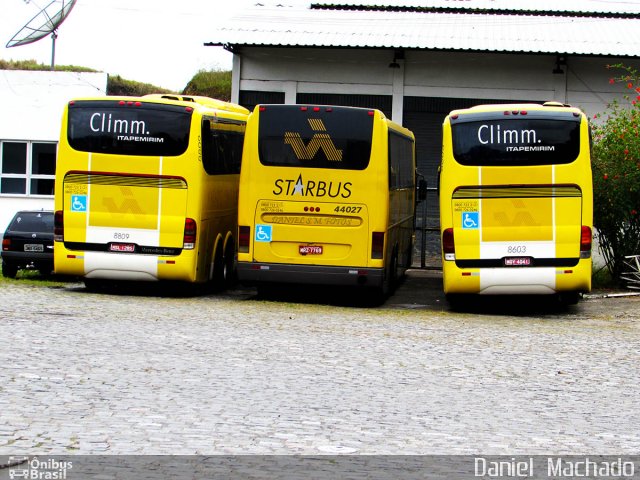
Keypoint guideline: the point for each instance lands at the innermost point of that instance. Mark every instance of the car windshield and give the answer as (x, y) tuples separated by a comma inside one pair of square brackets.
[(32, 222)]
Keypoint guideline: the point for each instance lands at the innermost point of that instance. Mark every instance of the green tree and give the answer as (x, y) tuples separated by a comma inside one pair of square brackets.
[(616, 173)]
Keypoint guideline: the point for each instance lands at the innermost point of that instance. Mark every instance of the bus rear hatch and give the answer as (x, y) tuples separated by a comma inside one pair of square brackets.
[(310, 233), (517, 226), (124, 213)]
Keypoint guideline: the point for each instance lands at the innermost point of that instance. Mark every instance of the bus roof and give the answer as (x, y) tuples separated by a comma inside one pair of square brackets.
[(394, 125), (206, 101), (173, 98), (499, 107)]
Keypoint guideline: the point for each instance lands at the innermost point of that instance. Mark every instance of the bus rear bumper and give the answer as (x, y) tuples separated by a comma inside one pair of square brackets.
[(251, 273), (125, 267), (517, 281)]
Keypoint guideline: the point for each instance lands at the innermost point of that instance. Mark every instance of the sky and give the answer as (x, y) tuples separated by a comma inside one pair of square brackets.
[(152, 41)]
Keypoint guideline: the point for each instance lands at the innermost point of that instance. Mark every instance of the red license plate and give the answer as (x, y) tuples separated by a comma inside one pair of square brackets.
[(122, 247), (517, 261), (310, 249)]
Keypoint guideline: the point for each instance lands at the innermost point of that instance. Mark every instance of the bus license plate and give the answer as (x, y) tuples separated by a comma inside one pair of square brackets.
[(33, 247), (122, 247), (517, 261), (310, 249)]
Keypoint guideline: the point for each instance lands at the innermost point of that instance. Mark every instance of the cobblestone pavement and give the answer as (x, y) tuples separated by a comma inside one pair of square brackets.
[(87, 373)]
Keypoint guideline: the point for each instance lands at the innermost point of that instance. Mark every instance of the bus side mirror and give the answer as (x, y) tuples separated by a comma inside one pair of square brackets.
[(422, 189)]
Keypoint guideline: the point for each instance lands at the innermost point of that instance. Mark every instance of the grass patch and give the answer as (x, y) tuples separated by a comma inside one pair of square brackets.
[(35, 278)]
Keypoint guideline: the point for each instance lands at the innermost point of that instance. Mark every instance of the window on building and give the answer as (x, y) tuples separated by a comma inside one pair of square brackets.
[(27, 168)]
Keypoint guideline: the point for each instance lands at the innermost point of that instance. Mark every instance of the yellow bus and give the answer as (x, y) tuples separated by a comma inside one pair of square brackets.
[(516, 201), (146, 189), (327, 197)]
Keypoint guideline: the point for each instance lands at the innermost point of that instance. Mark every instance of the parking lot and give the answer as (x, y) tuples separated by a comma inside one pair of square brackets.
[(235, 373)]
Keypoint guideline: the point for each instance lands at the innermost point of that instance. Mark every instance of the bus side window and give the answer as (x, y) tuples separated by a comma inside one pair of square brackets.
[(221, 150), (208, 152)]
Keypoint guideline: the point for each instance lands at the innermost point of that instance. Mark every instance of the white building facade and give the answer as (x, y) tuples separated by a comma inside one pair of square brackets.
[(32, 105), (418, 60)]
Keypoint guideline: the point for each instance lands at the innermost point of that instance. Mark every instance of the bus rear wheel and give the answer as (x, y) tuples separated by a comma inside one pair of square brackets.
[(568, 298), (229, 267), (217, 278)]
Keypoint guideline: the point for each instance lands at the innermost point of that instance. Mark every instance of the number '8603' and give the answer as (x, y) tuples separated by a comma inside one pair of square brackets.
[(516, 249)]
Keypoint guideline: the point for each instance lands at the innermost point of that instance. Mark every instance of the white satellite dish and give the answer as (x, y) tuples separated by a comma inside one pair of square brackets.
[(44, 23)]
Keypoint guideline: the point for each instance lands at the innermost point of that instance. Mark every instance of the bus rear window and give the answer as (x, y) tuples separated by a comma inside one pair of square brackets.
[(513, 142), (320, 137), (148, 130)]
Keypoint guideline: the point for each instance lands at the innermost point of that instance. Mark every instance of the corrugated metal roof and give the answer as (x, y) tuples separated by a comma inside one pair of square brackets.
[(300, 26), (601, 7)]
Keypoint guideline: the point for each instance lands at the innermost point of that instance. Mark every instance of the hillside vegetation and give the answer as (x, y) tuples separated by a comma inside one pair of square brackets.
[(216, 84)]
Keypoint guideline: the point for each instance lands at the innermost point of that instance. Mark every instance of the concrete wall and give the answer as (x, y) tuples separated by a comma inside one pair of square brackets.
[(583, 83), (32, 105)]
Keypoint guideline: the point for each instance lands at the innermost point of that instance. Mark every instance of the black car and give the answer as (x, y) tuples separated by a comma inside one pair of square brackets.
[(28, 243)]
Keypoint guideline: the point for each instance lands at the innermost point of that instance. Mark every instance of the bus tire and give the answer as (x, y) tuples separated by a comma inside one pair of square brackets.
[(95, 285), (568, 298), (460, 302), (392, 275), (229, 266), (217, 281)]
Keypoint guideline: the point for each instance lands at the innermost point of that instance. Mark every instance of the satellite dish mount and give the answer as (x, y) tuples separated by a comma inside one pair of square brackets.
[(44, 23)]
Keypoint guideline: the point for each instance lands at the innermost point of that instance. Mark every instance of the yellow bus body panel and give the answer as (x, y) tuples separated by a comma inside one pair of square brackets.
[(525, 211), (144, 200), (348, 205)]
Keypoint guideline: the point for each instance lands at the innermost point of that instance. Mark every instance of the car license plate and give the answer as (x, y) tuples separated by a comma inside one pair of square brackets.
[(122, 247), (310, 249), (517, 261), (33, 247)]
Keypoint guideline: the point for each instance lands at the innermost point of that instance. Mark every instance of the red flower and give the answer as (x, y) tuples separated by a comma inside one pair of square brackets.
[(634, 212), (626, 151), (629, 85), (605, 176), (611, 81)]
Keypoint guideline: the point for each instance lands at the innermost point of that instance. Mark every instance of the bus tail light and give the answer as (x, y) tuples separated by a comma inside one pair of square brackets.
[(585, 242), (448, 245), (58, 226), (244, 238), (190, 230), (377, 245)]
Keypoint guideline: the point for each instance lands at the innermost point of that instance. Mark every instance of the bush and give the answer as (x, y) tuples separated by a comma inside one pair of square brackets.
[(116, 85), (616, 174), (214, 84)]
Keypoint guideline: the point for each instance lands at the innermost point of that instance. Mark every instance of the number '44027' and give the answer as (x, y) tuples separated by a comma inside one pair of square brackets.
[(347, 209)]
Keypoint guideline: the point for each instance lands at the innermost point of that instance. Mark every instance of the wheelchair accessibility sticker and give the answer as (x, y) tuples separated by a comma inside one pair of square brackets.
[(263, 233), (78, 203), (470, 220)]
